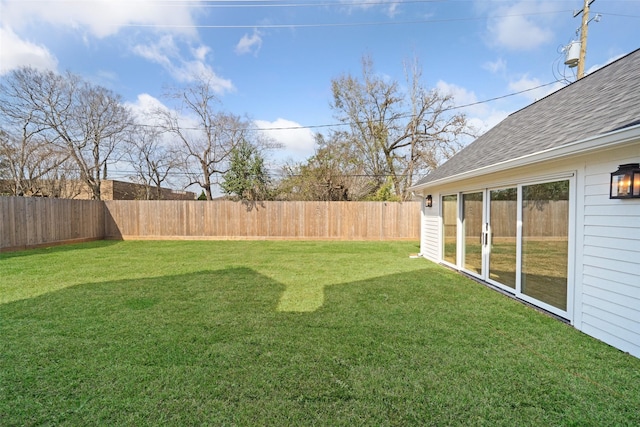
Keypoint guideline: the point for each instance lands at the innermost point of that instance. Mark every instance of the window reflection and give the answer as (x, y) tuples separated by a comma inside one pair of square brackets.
[(504, 224), (545, 219), (449, 220)]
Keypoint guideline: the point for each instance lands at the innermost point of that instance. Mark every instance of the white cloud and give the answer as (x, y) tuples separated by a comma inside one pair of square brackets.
[(102, 18), (160, 52), (390, 7), (298, 142), (521, 25), (200, 52), (144, 108), (497, 66), (531, 86), (166, 53), (99, 19), (249, 43), (17, 52), (607, 62), (392, 10), (481, 116)]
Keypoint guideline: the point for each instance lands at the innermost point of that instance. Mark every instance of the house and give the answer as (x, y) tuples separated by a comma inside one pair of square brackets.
[(531, 207), (121, 190)]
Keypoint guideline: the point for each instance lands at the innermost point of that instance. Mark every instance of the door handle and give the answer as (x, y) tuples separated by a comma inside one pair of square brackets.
[(485, 235)]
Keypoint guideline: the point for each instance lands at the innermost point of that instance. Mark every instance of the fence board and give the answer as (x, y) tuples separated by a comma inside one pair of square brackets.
[(34, 222), (179, 219)]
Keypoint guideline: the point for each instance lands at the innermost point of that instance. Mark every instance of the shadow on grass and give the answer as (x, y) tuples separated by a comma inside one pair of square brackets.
[(58, 248), (426, 347)]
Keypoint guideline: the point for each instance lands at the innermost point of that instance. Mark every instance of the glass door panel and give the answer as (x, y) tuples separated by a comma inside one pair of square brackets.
[(472, 225), (449, 228), (503, 222), (545, 249)]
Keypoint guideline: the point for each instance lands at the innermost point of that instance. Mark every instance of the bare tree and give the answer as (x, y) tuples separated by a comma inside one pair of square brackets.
[(88, 122), (397, 134), (207, 136), (152, 159), (96, 130), (28, 161)]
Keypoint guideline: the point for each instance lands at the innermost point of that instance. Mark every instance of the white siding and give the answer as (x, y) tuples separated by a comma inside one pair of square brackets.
[(610, 270), (604, 280), (430, 231)]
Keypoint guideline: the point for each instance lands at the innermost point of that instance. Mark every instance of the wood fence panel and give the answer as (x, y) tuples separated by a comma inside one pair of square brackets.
[(195, 221), (334, 227), (35, 222), (391, 221), (177, 219)]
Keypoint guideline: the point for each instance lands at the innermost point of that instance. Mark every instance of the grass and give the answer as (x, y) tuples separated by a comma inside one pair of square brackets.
[(287, 333)]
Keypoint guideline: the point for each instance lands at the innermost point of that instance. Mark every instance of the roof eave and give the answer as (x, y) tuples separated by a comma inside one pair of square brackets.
[(599, 142)]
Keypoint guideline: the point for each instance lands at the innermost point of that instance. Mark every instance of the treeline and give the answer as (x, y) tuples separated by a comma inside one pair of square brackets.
[(59, 131)]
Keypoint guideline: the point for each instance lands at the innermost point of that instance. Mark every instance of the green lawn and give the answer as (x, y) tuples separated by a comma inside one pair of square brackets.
[(287, 333)]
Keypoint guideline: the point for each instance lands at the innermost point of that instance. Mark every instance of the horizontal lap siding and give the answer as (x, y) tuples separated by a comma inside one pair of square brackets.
[(430, 243), (610, 303)]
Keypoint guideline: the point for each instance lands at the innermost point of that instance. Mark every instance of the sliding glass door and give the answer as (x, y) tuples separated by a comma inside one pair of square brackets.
[(472, 232), (450, 228), (516, 238), (545, 243), (503, 226)]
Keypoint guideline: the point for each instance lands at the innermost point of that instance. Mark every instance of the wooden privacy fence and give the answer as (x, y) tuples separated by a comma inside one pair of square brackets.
[(262, 220), (34, 222), (28, 222)]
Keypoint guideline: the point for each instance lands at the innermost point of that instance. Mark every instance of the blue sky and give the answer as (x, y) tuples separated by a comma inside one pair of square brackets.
[(274, 59)]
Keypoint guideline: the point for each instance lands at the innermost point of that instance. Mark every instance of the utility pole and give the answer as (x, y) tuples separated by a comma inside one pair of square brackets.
[(583, 35)]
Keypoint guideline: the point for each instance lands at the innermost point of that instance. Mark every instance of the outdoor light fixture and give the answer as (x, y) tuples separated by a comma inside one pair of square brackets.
[(625, 182), (428, 201)]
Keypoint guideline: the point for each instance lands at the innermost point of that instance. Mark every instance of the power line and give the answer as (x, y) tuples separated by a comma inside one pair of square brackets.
[(264, 4), (335, 24), (328, 125), (245, 3), (455, 107)]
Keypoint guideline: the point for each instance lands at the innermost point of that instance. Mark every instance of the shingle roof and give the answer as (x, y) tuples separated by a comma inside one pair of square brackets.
[(605, 100)]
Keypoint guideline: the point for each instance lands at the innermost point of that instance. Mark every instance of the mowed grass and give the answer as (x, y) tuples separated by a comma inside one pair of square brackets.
[(287, 333)]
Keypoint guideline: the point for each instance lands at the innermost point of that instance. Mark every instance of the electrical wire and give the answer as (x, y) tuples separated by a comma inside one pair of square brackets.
[(248, 3), (334, 24), (406, 116), (262, 4)]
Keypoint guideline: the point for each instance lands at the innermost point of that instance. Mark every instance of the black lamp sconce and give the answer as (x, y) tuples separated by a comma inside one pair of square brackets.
[(625, 182), (428, 201)]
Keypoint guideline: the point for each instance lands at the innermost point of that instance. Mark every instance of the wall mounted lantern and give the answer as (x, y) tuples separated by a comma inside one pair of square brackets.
[(428, 201), (625, 182)]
